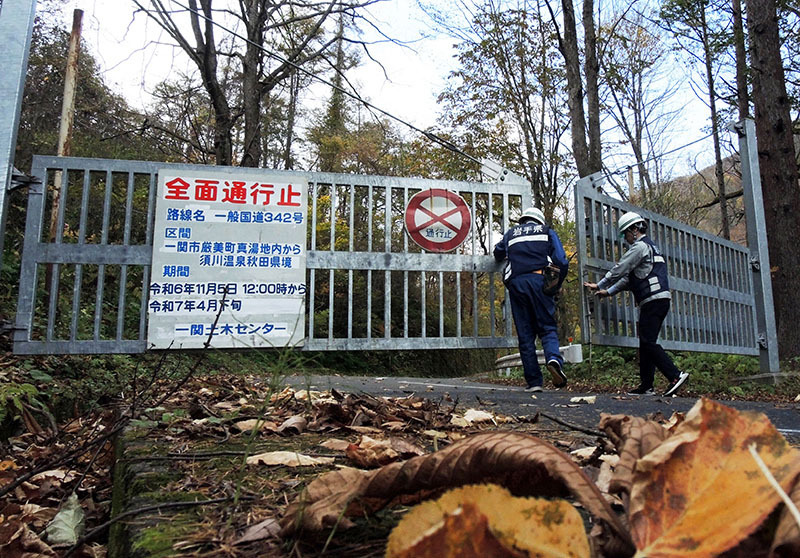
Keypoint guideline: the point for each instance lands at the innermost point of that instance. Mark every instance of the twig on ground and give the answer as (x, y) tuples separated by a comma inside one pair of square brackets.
[(574, 426)]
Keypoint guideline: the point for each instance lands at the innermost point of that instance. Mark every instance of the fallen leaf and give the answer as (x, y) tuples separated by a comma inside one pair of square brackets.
[(369, 452), (16, 539), (434, 434), (471, 416), (500, 522), (67, 526), (700, 492), (288, 458), (633, 437), (394, 425), (335, 444), (293, 425), (787, 535), (463, 533), (589, 399), (266, 529), (59, 475), (523, 463), (584, 453)]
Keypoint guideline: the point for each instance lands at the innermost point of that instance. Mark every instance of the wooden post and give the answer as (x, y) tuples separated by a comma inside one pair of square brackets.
[(67, 115)]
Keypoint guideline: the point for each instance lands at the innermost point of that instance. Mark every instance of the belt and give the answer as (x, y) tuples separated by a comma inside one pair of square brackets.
[(538, 271)]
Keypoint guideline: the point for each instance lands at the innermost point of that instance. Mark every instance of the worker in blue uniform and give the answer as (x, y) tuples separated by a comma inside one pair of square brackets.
[(643, 271), (529, 247)]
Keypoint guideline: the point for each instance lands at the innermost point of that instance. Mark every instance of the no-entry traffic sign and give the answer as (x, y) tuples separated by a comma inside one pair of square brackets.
[(438, 220)]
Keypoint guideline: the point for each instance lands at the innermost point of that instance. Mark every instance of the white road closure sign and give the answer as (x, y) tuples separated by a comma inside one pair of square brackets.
[(229, 261)]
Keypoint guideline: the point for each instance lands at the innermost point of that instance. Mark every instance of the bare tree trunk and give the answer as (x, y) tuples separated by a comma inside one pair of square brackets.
[(712, 103), (569, 48), (294, 88), (741, 61), (254, 16), (776, 157), (206, 53), (591, 69)]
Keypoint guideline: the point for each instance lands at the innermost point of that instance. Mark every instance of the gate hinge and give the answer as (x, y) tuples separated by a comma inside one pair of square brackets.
[(762, 341), (755, 264), (19, 179)]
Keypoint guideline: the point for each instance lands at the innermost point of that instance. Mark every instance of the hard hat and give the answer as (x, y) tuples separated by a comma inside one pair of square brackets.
[(532, 213), (628, 220)]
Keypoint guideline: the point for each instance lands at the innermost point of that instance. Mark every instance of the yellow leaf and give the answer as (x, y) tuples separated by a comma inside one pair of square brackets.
[(485, 520), (700, 492)]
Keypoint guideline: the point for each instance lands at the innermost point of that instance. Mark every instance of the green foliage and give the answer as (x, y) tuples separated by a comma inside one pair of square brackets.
[(711, 374), (613, 367), (13, 396)]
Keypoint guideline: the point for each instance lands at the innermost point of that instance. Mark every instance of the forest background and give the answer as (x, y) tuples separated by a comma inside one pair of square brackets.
[(552, 91)]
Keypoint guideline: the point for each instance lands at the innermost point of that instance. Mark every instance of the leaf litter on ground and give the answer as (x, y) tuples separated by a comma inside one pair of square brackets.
[(197, 431)]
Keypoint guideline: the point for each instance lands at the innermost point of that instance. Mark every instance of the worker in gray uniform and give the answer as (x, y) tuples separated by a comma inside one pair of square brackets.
[(643, 271)]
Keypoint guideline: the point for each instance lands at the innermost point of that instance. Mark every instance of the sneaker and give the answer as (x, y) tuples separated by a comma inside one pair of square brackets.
[(642, 391), (534, 388), (559, 378), (676, 384)]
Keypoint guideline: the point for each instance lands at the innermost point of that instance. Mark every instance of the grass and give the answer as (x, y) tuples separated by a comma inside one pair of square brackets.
[(720, 376)]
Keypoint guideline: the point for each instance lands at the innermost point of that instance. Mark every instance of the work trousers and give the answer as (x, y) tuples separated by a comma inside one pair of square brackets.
[(651, 354), (534, 316)]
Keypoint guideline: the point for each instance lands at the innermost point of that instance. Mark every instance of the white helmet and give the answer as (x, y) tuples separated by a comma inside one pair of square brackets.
[(533, 213), (627, 220)]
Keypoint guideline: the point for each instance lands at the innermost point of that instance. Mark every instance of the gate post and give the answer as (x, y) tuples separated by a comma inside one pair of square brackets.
[(757, 244), (590, 181), (16, 25)]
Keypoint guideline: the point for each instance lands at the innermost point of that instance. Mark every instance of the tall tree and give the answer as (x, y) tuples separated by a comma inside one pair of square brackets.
[(294, 29), (704, 41), (779, 175), (634, 60), (506, 97), (584, 123)]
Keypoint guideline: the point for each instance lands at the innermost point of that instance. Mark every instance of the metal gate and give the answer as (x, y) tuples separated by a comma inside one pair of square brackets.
[(718, 290), (84, 289)]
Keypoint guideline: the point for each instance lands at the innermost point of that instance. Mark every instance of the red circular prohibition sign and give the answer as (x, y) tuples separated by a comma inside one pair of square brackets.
[(437, 219)]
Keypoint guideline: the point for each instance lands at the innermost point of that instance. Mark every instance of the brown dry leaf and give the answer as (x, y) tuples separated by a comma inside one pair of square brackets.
[(787, 535), (523, 463), (288, 458), (369, 452), (502, 524), (16, 539), (335, 444), (394, 425), (265, 529), (700, 492), (293, 425), (633, 437), (249, 425)]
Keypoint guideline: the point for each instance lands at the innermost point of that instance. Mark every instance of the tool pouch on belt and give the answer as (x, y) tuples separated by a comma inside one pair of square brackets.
[(551, 274)]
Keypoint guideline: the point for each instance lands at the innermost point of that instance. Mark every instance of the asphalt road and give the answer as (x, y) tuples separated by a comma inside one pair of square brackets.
[(515, 401)]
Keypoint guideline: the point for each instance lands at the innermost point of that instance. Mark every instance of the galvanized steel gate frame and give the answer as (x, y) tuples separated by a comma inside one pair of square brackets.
[(107, 247), (721, 300)]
